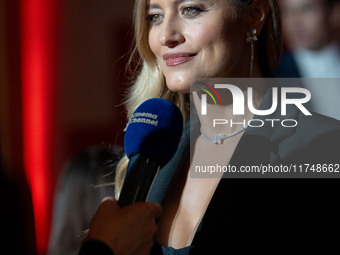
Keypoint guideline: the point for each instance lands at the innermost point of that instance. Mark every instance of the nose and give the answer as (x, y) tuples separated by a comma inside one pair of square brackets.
[(171, 33)]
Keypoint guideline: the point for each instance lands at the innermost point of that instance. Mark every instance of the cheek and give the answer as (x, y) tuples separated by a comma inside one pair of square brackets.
[(153, 42), (205, 35), (198, 34), (216, 41)]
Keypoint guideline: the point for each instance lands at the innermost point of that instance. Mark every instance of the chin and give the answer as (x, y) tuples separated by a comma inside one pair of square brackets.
[(179, 86), (180, 90)]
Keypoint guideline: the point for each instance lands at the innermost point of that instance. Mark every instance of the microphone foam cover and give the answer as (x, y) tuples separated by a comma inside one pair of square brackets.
[(154, 130)]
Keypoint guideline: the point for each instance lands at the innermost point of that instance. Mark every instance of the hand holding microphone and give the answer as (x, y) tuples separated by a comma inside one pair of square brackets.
[(125, 230), (151, 139)]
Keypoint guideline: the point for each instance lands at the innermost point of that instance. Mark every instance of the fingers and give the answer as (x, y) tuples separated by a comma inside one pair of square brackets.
[(109, 203), (109, 199), (152, 210), (156, 209), (147, 213), (126, 229)]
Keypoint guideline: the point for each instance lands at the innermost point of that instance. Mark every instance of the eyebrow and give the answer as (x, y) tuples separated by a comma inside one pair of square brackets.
[(157, 6)]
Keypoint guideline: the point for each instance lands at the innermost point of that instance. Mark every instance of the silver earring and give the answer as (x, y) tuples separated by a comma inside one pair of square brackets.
[(251, 38)]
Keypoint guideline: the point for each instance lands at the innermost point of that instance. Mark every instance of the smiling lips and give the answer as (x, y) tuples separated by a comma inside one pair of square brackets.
[(175, 59)]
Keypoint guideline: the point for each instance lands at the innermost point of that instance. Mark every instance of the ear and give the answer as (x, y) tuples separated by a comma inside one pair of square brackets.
[(257, 15)]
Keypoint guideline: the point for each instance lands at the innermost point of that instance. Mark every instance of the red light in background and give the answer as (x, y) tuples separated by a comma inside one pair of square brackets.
[(39, 46)]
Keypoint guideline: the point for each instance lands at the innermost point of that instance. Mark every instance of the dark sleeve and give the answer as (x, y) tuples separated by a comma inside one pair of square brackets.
[(94, 247)]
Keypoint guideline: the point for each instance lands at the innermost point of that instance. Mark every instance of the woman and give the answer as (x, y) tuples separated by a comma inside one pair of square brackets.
[(178, 41)]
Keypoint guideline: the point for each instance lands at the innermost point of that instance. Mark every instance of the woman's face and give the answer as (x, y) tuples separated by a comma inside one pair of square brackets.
[(197, 39)]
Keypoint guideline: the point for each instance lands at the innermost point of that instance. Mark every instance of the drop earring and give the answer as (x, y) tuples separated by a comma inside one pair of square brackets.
[(251, 38)]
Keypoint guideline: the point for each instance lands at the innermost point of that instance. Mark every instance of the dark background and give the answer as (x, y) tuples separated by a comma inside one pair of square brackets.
[(90, 41)]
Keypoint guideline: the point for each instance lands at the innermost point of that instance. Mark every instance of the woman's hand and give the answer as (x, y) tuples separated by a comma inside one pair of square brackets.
[(126, 230)]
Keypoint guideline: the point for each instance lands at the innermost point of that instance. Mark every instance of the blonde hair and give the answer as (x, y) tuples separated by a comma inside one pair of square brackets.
[(150, 82)]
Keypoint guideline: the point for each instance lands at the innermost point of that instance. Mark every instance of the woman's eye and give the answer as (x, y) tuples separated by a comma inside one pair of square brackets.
[(154, 18), (192, 11)]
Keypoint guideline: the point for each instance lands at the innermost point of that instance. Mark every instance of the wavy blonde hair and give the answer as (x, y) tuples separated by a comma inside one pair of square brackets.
[(150, 81)]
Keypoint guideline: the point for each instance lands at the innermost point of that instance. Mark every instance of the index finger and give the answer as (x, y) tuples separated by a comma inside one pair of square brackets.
[(155, 208)]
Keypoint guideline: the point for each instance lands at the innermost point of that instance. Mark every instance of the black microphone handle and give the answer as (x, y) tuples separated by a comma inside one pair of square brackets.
[(140, 174)]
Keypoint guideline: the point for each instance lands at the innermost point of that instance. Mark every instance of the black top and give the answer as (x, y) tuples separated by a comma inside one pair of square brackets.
[(255, 215), (267, 214)]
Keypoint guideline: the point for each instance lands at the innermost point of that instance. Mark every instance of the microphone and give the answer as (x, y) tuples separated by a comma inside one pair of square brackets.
[(151, 139)]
